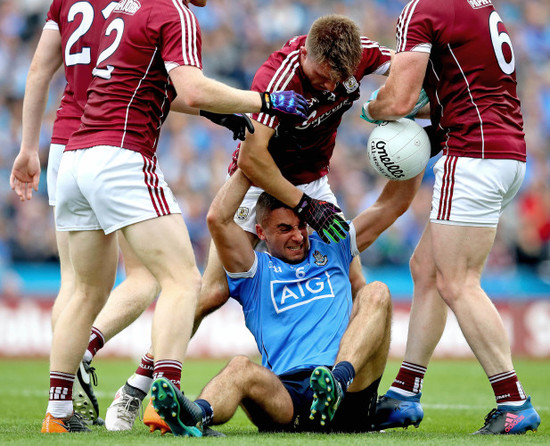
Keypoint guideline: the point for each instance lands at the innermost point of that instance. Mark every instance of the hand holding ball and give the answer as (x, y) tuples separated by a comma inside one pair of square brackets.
[(399, 150)]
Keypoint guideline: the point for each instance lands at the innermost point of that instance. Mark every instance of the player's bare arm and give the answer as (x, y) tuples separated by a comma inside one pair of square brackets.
[(47, 59), (199, 91), (400, 93), (393, 201), (258, 165), (232, 242)]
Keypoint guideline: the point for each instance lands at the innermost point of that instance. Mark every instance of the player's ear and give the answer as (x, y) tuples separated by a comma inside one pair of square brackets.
[(260, 232)]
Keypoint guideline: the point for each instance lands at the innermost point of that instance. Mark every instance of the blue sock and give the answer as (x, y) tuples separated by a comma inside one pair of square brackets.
[(344, 374), (207, 412)]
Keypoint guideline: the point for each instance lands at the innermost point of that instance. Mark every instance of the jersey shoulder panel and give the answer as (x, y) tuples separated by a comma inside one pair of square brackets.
[(376, 58), (421, 24), (178, 33)]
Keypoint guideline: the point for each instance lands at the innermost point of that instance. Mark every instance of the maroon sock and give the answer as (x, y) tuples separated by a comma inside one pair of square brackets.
[(146, 366), (61, 386), (410, 377), (507, 387), (97, 341), (169, 369)]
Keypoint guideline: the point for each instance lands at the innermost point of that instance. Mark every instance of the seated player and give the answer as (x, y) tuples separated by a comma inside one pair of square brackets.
[(298, 304)]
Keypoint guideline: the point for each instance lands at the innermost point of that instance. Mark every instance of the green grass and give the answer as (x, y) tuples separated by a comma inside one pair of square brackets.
[(456, 397)]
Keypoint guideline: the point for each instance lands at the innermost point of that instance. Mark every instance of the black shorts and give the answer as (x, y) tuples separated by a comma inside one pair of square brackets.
[(355, 414)]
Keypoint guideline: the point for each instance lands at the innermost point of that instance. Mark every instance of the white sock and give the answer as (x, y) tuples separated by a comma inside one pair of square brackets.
[(60, 409), (140, 382), (512, 403), (402, 392)]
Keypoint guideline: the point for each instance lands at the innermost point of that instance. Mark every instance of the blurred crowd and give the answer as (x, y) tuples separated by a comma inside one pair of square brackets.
[(238, 35)]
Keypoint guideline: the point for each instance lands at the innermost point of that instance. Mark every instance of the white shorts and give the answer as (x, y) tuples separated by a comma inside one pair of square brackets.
[(474, 191), (245, 216), (54, 159), (109, 188)]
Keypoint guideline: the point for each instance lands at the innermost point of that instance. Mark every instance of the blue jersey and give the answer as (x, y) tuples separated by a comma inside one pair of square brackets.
[(298, 312)]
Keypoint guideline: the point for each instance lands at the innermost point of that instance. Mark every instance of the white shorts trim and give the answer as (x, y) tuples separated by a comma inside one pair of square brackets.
[(474, 191), (54, 159), (245, 216), (109, 188)]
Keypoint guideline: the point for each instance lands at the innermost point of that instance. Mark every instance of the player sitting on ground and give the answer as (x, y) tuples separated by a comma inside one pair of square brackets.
[(298, 304)]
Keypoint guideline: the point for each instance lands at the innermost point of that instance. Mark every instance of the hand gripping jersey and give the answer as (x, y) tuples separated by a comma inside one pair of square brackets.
[(130, 95), (471, 76), (79, 24), (303, 151), (298, 312)]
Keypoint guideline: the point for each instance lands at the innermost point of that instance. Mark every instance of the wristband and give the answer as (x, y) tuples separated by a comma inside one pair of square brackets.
[(266, 102)]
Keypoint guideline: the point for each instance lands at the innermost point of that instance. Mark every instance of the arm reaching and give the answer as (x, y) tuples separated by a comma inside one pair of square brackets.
[(393, 201), (232, 242), (201, 92)]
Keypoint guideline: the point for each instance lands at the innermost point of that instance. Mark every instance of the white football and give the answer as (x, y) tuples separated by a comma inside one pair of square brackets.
[(399, 150)]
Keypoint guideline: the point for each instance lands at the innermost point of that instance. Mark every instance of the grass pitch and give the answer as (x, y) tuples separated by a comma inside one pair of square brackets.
[(456, 398)]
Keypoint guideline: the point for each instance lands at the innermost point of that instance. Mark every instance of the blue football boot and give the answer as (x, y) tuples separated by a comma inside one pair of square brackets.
[(511, 420), (395, 410)]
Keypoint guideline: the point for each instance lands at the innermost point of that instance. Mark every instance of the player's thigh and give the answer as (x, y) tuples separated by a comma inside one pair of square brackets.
[(162, 244), (460, 252), (268, 403), (133, 266), (94, 257)]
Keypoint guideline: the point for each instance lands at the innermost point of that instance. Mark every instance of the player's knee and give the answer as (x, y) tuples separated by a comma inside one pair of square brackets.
[(377, 295), (450, 288), (239, 365), (380, 294), (422, 271)]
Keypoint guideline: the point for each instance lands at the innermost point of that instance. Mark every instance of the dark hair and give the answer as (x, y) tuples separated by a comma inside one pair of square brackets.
[(267, 203), (336, 40)]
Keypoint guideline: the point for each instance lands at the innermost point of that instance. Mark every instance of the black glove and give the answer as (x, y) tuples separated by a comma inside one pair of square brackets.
[(236, 122), (285, 103), (435, 146), (323, 217)]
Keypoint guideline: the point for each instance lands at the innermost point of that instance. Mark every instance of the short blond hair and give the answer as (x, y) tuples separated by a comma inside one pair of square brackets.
[(335, 40)]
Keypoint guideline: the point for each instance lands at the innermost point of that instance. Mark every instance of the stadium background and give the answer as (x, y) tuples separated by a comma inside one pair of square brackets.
[(194, 154)]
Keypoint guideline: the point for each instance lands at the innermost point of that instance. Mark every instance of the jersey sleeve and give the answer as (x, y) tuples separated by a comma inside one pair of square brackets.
[(376, 58), (417, 26), (241, 285), (53, 16), (180, 37)]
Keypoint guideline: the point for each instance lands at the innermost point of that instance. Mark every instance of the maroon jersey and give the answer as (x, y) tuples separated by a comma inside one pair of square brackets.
[(471, 77), (79, 24), (130, 95), (303, 151)]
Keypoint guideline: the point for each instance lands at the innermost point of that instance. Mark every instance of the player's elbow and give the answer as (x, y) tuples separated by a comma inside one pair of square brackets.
[(247, 164), (194, 99), (403, 107), (213, 219)]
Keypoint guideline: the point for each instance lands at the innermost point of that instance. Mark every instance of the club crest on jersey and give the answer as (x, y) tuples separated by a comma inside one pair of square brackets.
[(476, 4), (320, 259), (351, 84), (127, 6), (242, 213)]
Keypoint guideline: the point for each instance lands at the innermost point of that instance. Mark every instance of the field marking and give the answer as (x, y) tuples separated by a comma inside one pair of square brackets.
[(102, 394)]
